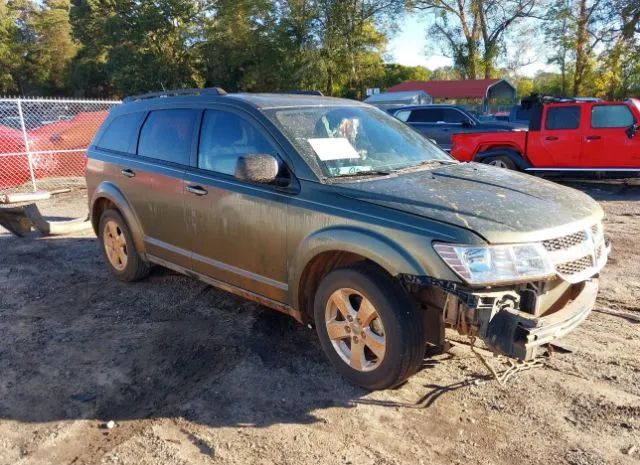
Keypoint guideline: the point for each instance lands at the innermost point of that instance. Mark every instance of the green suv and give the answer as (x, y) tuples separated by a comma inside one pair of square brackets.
[(339, 215)]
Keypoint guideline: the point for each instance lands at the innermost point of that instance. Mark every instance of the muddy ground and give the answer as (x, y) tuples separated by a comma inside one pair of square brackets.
[(190, 374)]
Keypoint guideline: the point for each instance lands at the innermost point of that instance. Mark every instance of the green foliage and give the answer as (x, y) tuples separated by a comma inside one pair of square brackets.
[(395, 74)]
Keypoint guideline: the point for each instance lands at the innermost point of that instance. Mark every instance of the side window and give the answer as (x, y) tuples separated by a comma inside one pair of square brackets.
[(167, 134), (453, 116), (224, 137), (121, 132), (426, 115), (563, 118), (611, 116)]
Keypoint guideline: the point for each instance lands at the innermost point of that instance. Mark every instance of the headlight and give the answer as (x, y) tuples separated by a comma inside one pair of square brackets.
[(493, 264)]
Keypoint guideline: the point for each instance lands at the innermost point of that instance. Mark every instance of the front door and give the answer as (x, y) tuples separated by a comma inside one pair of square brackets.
[(238, 230), (606, 142), (559, 143)]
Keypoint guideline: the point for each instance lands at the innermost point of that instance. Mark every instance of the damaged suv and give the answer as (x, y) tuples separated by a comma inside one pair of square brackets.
[(338, 214)]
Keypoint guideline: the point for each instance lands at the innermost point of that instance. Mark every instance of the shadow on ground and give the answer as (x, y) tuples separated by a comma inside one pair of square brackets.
[(76, 343)]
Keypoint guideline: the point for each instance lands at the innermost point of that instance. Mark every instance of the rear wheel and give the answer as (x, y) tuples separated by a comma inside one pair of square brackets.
[(117, 246), (369, 328), (500, 162)]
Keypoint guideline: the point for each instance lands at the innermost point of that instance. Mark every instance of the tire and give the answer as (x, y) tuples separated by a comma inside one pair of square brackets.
[(130, 266), (398, 325), (501, 162)]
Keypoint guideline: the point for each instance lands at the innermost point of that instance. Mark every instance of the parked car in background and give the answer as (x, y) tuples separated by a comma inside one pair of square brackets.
[(339, 215), (565, 136), (440, 122)]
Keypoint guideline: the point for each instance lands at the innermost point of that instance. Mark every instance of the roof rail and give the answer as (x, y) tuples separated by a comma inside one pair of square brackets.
[(299, 92), (176, 92)]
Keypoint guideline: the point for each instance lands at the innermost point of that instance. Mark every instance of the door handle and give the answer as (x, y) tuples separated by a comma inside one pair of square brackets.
[(594, 137), (197, 190), (128, 173), (551, 138)]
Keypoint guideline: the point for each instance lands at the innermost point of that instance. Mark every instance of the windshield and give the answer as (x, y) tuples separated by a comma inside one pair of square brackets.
[(348, 141)]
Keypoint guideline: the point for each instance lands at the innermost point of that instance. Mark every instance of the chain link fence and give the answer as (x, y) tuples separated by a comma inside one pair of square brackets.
[(43, 141)]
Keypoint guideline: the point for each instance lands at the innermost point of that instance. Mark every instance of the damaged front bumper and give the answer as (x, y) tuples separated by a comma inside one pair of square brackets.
[(511, 321), (519, 334)]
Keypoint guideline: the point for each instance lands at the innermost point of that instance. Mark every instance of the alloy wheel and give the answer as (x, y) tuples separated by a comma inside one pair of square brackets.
[(115, 245), (355, 329)]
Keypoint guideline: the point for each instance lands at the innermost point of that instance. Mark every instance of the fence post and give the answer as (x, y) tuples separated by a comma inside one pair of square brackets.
[(26, 145)]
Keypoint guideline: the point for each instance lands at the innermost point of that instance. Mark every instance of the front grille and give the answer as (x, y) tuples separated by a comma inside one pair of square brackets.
[(565, 242), (577, 254), (575, 266)]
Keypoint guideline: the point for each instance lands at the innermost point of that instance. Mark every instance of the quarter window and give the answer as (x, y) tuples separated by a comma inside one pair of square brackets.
[(611, 116), (563, 118), (225, 137), (121, 132), (167, 134)]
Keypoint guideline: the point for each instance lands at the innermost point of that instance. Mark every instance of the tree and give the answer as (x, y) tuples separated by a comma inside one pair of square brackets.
[(395, 74), (51, 53), (139, 45), (473, 30), (559, 35)]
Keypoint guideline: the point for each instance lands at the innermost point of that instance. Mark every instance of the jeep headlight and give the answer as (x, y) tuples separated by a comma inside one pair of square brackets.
[(494, 264)]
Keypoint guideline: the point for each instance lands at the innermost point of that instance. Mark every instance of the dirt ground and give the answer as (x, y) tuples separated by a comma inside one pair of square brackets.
[(190, 374)]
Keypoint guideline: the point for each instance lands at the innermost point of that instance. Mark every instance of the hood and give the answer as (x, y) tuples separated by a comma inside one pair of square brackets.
[(500, 205)]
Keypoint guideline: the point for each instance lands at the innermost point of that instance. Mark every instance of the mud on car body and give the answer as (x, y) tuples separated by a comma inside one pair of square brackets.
[(336, 213)]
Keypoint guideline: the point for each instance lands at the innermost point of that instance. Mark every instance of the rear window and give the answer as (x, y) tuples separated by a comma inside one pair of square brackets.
[(611, 116), (167, 135), (121, 132), (563, 118)]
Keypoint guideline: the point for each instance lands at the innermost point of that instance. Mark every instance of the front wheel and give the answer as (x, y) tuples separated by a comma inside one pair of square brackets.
[(369, 328), (500, 162)]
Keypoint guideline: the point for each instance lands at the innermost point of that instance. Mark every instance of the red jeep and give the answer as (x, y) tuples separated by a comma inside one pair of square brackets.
[(564, 136)]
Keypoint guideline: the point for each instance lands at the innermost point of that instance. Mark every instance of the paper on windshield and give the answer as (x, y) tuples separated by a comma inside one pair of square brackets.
[(333, 148)]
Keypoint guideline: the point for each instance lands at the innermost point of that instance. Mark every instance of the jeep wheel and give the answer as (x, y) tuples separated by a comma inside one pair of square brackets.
[(118, 248), (500, 162), (369, 328)]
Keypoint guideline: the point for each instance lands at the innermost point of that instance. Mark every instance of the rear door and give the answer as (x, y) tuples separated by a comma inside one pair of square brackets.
[(606, 143), (156, 181), (430, 122), (237, 229), (559, 141)]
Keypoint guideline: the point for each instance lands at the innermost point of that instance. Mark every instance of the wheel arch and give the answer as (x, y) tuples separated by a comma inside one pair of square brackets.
[(511, 153), (334, 247), (107, 195)]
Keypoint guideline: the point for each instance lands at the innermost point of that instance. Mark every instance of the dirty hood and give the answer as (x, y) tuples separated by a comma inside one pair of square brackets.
[(500, 205)]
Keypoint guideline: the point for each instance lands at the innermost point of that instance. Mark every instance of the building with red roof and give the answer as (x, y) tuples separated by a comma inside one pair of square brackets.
[(469, 89)]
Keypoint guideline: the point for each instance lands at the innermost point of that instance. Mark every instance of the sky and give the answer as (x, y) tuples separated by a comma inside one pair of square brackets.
[(409, 47)]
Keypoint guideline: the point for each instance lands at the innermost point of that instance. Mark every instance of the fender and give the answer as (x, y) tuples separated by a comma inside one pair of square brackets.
[(376, 247), (513, 155), (107, 190)]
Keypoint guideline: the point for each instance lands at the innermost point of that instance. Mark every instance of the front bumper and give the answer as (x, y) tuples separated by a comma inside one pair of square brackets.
[(519, 335), (508, 320)]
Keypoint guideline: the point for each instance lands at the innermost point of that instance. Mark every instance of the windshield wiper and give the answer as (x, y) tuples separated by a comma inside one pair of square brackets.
[(364, 173)]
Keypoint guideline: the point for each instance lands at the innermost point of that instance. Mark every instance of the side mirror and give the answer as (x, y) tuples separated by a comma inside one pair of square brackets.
[(631, 130), (258, 168), (466, 123)]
